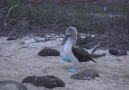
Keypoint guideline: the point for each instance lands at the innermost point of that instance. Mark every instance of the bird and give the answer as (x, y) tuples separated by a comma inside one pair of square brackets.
[(73, 52)]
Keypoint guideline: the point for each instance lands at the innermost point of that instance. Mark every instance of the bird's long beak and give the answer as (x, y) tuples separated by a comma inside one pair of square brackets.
[(65, 39)]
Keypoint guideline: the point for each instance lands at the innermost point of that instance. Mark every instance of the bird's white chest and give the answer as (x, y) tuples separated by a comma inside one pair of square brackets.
[(68, 52), (68, 47)]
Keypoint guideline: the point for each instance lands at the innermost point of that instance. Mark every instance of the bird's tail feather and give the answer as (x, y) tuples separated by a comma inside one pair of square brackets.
[(91, 51), (93, 60)]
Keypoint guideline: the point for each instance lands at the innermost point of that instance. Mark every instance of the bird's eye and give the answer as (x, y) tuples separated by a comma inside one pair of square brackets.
[(70, 30)]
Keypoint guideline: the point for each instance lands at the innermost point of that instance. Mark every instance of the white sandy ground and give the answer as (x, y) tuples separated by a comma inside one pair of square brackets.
[(17, 62)]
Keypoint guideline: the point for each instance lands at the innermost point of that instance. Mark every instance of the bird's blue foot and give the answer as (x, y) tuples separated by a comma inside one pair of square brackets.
[(64, 58), (72, 70)]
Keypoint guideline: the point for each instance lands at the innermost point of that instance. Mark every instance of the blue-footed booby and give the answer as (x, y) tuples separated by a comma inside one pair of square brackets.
[(74, 53)]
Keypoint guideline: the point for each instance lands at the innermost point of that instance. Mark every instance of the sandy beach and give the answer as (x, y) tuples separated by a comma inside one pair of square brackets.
[(17, 62)]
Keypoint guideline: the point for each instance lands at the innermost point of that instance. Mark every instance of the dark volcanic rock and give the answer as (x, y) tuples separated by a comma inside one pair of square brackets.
[(114, 51), (86, 75), (29, 79), (49, 52), (46, 81), (122, 52), (11, 38), (12, 85)]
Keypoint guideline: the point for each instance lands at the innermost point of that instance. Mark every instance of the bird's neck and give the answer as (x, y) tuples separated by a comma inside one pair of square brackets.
[(70, 43)]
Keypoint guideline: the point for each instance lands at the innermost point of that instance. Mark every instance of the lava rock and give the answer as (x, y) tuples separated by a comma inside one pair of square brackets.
[(86, 75), (12, 85), (49, 52), (122, 52), (29, 79), (46, 81), (11, 38), (114, 51)]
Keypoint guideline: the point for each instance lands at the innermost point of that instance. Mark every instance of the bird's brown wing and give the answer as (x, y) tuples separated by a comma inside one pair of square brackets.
[(81, 54)]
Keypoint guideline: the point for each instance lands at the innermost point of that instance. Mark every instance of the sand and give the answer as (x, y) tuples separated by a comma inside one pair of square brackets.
[(17, 62)]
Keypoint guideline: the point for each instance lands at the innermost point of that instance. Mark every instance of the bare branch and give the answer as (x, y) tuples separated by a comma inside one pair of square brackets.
[(9, 13), (3, 9)]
